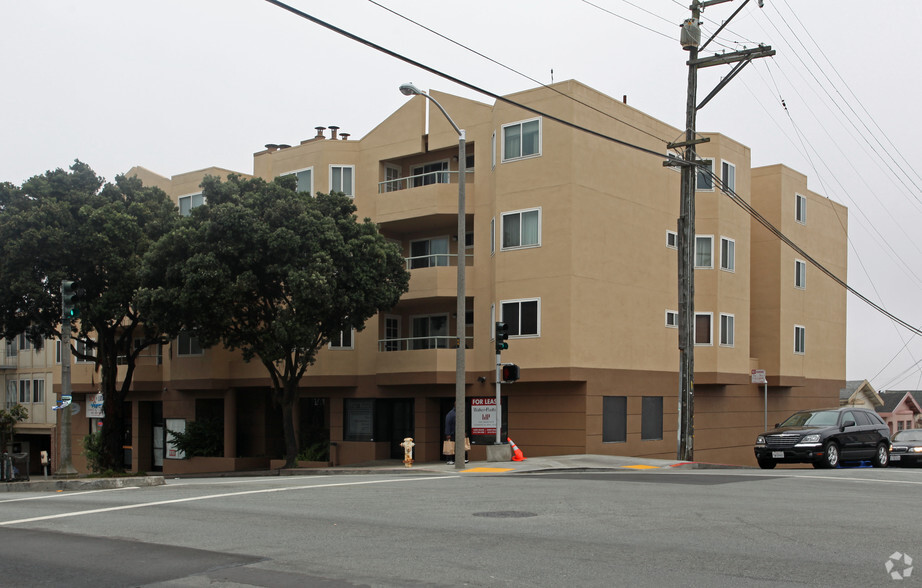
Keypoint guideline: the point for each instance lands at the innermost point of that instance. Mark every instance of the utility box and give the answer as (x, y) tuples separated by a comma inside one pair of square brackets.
[(501, 452)]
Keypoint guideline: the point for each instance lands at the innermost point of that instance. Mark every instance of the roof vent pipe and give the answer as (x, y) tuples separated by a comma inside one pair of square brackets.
[(272, 147), (333, 129), (344, 136), (319, 132)]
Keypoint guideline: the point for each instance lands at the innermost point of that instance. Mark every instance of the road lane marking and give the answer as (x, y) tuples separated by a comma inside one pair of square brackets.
[(211, 496), (58, 495), (641, 467), (485, 470)]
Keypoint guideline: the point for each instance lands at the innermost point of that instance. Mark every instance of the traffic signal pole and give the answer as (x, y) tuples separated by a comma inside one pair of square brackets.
[(66, 466)]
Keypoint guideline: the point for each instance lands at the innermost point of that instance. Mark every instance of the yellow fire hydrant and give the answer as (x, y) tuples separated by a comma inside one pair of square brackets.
[(408, 446)]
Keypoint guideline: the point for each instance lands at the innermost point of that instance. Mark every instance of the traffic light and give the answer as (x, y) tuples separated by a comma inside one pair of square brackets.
[(502, 333), (71, 297), (510, 373)]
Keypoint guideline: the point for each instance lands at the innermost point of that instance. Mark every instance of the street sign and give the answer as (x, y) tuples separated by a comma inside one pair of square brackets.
[(758, 377)]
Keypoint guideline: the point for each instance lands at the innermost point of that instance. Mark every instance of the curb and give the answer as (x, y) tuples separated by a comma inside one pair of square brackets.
[(83, 484)]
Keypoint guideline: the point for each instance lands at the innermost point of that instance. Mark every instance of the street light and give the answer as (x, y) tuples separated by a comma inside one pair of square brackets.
[(460, 408)]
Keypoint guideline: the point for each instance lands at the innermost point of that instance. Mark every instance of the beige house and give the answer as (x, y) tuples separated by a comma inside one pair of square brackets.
[(571, 240), (28, 376)]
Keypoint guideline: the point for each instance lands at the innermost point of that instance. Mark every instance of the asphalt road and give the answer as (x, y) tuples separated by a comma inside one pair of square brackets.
[(619, 527)]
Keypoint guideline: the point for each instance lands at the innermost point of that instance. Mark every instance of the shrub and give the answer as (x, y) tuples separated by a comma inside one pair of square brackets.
[(202, 438)]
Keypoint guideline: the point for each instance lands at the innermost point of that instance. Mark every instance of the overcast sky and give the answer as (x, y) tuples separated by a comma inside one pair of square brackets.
[(179, 85)]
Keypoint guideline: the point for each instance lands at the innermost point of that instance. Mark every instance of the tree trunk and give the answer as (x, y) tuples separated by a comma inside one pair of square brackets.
[(288, 424), (113, 428)]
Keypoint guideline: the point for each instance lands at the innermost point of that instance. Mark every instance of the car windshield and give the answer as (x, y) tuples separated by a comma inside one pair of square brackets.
[(914, 435), (812, 417)]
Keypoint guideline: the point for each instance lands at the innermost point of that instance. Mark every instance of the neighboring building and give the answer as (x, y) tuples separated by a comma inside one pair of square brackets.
[(901, 410), (860, 393), (570, 239)]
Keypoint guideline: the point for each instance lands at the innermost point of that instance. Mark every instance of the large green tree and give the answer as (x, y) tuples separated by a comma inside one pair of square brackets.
[(71, 224), (272, 272)]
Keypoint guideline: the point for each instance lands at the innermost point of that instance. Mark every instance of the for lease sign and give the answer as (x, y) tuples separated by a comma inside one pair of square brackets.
[(483, 416)]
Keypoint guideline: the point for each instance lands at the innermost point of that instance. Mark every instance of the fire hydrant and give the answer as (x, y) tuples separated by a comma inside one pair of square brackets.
[(408, 446)]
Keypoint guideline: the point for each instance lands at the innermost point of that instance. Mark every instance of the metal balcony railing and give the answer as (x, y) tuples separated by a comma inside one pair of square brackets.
[(420, 180), (438, 260), (420, 343)]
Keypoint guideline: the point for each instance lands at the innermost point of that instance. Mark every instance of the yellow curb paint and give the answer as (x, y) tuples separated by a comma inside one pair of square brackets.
[(485, 470), (641, 467)]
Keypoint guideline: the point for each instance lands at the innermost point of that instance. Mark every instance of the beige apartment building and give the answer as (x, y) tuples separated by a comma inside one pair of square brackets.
[(571, 240), (27, 375)]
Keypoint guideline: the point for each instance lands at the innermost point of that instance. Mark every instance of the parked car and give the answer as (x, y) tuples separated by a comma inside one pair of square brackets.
[(826, 438), (906, 448)]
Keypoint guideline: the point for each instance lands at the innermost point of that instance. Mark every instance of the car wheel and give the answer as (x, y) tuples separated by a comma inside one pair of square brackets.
[(766, 464), (881, 457), (830, 455)]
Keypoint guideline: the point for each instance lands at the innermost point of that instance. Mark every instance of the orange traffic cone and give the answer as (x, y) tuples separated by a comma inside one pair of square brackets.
[(517, 454)]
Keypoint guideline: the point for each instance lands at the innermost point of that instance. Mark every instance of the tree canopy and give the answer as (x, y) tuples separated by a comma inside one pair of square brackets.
[(274, 273)]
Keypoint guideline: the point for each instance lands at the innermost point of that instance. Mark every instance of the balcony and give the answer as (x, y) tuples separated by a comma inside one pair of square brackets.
[(410, 203), (419, 360), (436, 276), (148, 370)]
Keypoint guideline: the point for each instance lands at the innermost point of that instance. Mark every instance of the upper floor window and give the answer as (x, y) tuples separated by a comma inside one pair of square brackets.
[(800, 274), (38, 391), (187, 203), (727, 254), (703, 328), (800, 336), (522, 139), (342, 340), (704, 252), (522, 316), (11, 348), (800, 209), (672, 319), (24, 343), (25, 391), (672, 239), (342, 179), (430, 173), (11, 392), (187, 344), (493, 151), (429, 253), (305, 180), (726, 329), (704, 177), (728, 175), (522, 228), (85, 351), (391, 178)]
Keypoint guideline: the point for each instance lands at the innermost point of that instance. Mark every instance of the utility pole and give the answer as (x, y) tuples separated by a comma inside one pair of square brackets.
[(690, 39), (66, 466)]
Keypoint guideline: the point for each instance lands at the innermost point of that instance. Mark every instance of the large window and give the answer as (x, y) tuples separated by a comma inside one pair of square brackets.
[(25, 391), (187, 344), (800, 337), (522, 139), (651, 418), (342, 340), (430, 173), (726, 329), (704, 252), (342, 179), (703, 328), (12, 391), (522, 317), (800, 274), (800, 209), (704, 178), (305, 180), (614, 419), (187, 203), (728, 175), (430, 332), (522, 228), (358, 419), (85, 351), (727, 254), (429, 253)]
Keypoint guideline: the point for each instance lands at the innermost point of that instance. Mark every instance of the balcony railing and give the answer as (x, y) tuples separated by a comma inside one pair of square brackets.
[(420, 343), (420, 180), (438, 260), (143, 359)]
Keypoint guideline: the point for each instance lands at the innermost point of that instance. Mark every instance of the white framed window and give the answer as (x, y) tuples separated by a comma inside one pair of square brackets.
[(12, 392), (11, 348), (704, 176), (522, 139), (521, 228), (392, 178), (672, 319), (493, 236), (800, 209), (343, 340), (727, 327), (432, 252), (704, 251), (435, 172), (305, 179), (25, 391), (38, 391), (85, 351), (24, 343), (342, 179), (391, 333), (190, 201), (523, 316), (800, 339), (493, 151), (703, 330), (728, 175), (672, 240), (727, 254), (187, 345), (800, 274)]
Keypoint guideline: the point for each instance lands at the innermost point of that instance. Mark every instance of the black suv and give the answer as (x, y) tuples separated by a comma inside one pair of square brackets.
[(826, 438)]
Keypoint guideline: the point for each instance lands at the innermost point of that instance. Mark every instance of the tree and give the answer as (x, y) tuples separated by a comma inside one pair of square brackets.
[(8, 421), (72, 225), (274, 273)]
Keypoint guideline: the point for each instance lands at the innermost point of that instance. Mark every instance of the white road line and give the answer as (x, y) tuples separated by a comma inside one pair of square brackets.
[(60, 494), (832, 478), (210, 496)]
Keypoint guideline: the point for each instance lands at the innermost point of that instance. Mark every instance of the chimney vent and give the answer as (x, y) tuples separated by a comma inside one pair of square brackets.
[(344, 136), (333, 129), (319, 132), (625, 99), (284, 146), (272, 147)]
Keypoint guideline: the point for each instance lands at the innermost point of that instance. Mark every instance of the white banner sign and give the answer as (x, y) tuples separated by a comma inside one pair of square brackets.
[(94, 407), (483, 416)]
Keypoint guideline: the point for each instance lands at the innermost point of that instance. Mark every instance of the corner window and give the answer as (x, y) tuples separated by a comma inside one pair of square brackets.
[(726, 330), (305, 180), (704, 177), (672, 319), (703, 328), (522, 228), (651, 418), (187, 344), (728, 175), (341, 179), (522, 317), (800, 336), (727, 254), (672, 240), (522, 139), (800, 209), (187, 203), (342, 340), (704, 252), (800, 274), (614, 419)]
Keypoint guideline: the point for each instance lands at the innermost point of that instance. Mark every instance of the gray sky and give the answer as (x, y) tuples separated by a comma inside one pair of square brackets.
[(179, 85)]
